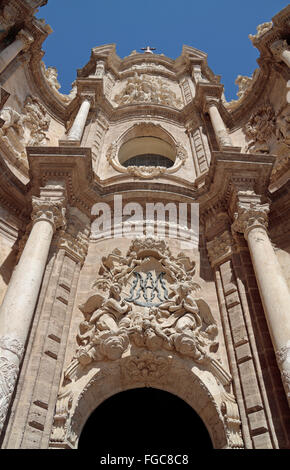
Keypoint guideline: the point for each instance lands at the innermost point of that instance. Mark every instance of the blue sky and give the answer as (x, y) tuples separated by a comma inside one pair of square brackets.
[(219, 28)]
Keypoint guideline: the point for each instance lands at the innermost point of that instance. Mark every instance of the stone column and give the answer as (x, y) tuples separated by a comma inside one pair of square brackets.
[(251, 220), (19, 303), (220, 130), (280, 51), (77, 129), (22, 42)]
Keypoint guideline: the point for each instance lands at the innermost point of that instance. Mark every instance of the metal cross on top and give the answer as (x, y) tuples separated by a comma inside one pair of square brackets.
[(148, 49)]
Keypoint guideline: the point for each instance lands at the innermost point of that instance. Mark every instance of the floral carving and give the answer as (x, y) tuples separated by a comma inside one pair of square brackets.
[(260, 129), (147, 89), (146, 365), (8, 376), (36, 120)]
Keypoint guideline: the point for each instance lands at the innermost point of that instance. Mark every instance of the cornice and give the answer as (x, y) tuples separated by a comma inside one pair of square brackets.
[(13, 193), (71, 165), (232, 170)]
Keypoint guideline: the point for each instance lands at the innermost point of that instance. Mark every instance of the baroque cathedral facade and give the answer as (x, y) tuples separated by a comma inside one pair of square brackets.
[(102, 292)]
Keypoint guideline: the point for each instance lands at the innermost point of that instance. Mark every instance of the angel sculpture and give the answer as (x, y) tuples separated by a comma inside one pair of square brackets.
[(184, 323), (103, 319), (118, 268)]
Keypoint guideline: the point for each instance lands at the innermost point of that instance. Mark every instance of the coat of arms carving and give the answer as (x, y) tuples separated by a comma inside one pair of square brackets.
[(146, 299)]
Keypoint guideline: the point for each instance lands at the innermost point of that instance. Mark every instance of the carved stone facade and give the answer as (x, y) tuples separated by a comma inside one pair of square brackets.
[(107, 281)]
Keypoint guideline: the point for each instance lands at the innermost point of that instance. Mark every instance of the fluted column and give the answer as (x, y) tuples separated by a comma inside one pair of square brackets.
[(77, 129), (252, 220), (17, 309), (22, 42), (280, 51), (211, 106)]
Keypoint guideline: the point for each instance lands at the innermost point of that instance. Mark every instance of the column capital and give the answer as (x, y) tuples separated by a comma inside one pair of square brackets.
[(278, 47), (220, 248), (210, 101), (88, 96), (249, 216), (51, 210), (25, 37)]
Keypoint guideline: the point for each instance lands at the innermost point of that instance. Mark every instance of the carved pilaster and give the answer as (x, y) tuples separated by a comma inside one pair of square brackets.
[(220, 248)]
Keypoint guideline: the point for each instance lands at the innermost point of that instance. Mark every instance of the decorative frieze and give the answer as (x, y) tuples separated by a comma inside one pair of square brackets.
[(143, 88)]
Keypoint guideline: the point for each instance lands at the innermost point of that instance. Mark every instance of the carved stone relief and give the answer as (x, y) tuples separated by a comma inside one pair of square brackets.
[(147, 89), (261, 30), (143, 310), (260, 130), (9, 368), (50, 73), (28, 128)]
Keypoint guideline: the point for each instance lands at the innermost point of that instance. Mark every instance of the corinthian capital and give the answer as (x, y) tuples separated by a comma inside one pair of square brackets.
[(87, 96), (249, 216), (52, 211), (278, 47), (25, 37), (210, 101), (220, 248)]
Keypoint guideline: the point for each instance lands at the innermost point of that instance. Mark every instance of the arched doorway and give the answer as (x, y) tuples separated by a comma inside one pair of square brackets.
[(142, 420)]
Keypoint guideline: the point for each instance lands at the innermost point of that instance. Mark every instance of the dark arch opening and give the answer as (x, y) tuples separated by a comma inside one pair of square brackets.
[(142, 420)]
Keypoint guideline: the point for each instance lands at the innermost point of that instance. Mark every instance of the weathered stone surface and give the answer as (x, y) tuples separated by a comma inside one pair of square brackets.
[(105, 286)]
